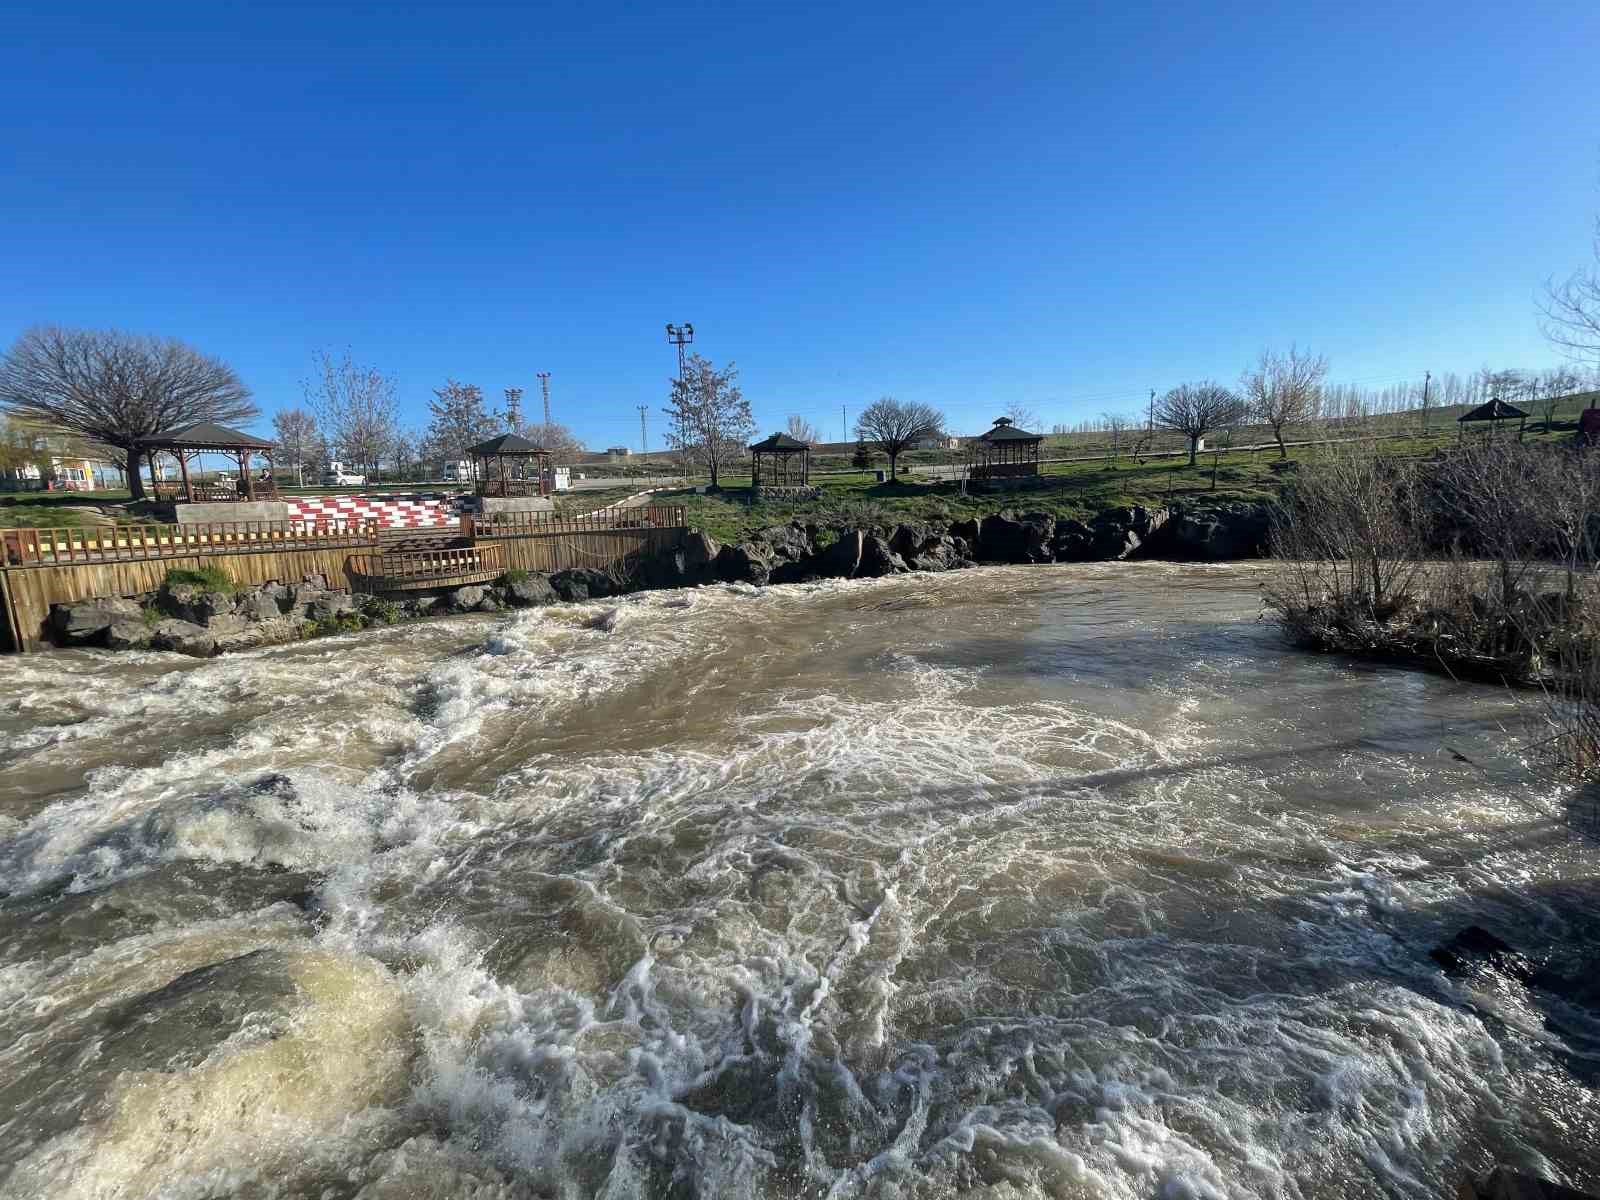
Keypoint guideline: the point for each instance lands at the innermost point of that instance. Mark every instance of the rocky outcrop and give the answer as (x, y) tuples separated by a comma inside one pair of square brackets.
[(185, 637), (86, 620), (582, 583), (528, 591), (1217, 533)]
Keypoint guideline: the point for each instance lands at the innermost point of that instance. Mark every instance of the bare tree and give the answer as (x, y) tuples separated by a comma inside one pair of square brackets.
[(1553, 388), (562, 443), (118, 389), (803, 430), (1284, 389), (708, 417), (1022, 416), (1116, 425), (295, 430), (1194, 409), (895, 426), (1571, 310), (405, 451), (355, 406)]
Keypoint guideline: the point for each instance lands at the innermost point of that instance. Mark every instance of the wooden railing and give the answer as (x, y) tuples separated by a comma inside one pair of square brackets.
[(427, 568), (531, 524), (123, 543), (216, 493), (510, 487)]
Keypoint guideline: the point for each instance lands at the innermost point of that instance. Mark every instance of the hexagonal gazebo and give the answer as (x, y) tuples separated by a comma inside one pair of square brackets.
[(787, 463), (510, 465), (207, 437)]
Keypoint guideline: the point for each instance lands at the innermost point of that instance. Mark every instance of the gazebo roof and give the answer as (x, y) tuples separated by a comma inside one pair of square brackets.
[(781, 443), (506, 443), (208, 435), (1005, 431), (1495, 410)]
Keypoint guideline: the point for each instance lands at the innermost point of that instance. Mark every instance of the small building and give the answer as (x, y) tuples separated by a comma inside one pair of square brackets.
[(1004, 453), (616, 452), (1489, 417), (780, 463)]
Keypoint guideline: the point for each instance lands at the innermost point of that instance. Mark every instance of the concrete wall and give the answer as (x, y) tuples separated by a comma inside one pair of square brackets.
[(232, 510)]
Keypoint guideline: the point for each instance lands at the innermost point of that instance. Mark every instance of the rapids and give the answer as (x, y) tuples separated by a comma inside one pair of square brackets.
[(1016, 882)]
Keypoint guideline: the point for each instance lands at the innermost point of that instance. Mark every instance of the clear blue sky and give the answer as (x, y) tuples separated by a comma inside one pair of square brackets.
[(965, 204)]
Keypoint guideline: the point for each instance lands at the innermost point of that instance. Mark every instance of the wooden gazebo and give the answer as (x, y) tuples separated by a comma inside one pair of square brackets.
[(1491, 415), (1005, 452), (510, 465), (787, 461), (207, 437)]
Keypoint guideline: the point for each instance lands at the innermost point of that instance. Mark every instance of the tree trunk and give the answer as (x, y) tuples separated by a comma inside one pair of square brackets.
[(1194, 447), (894, 472), (135, 480), (1283, 451)]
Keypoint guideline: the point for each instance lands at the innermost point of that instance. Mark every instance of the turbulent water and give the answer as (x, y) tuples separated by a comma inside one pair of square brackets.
[(1015, 882)]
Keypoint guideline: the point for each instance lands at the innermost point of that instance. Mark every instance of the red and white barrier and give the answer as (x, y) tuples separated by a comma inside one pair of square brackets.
[(387, 512)]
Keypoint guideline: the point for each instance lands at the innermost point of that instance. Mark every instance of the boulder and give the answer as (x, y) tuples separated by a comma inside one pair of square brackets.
[(272, 632), (328, 606), (1217, 533), (259, 606), (1073, 541), (302, 596), (529, 590), (465, 599), (966, 531), (748, 562), (877, 559), (582, 583), (190, 602), (489, 605), (936, 554), (185, 637), (128, 635), (1011, 538), (83, 620), (700, 552), (788, 542), (840, 560), (1119, 533), (226, 623)]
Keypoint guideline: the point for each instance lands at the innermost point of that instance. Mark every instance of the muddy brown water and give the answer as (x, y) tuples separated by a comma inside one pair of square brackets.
[(1065, 881)]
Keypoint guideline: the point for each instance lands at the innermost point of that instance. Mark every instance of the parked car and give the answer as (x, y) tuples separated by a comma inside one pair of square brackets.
[(337, 476)]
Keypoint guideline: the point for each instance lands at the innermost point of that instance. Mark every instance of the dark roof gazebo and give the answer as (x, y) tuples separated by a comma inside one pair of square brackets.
[(1494, 412), (778, 453), (1005, 452), (207, 437), (510, 465)]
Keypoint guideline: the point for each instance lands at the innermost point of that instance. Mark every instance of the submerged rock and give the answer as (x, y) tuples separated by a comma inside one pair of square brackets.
[(530, 590), (184, 637)]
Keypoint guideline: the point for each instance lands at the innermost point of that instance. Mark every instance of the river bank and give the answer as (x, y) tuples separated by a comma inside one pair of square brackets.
[(201, 617)]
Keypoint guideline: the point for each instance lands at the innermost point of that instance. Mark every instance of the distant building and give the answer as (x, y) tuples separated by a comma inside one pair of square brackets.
[(57, 462), (616, 452), (938, 441)]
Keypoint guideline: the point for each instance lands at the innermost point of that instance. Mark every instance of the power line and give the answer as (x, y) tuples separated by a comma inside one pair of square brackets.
[(544, 385)]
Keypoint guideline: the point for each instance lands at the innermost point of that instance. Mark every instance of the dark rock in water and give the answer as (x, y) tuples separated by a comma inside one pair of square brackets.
[(1217, 533), (878, 560), (84, 620), (1009, 538), (966, 531), (259, 606), (700, 552), (174, 1027), (464, 599), (748, 562), (530, 590), (129, 635), (190, 602), (1475, 947), (1120, 533), (1072, 541), (184, 637), (582, 583), (788, 542), (842, 559), (1503, 1183)]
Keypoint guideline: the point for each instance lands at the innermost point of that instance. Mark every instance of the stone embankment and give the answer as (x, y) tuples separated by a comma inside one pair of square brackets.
[(191, 619)]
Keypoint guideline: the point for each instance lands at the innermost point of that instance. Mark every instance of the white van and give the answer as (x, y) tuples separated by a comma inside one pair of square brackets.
[(457, 472)]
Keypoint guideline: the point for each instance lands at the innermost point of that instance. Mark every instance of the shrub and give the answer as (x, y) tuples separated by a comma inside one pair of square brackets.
[(212, 579), (514, 576)]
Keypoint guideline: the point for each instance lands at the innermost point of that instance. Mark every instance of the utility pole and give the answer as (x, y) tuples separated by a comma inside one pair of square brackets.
[(1427, 378), (644, 443), (844, 423), (1152, 427), (679, 336), (544, 384), (513, 408)]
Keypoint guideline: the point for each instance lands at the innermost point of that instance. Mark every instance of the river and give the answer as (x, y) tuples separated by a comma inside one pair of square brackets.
[(1055, 881)]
